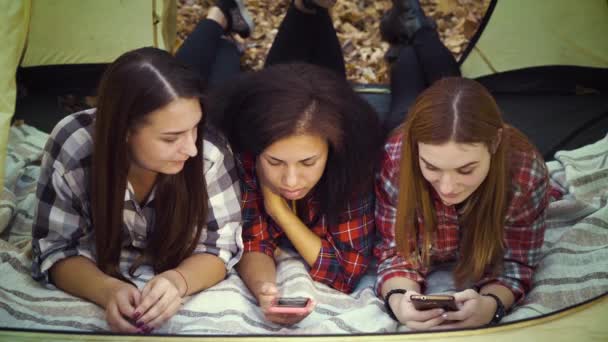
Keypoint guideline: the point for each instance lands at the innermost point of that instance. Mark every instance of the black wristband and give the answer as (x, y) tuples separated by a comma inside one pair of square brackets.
[(387, 305), (500, 309)]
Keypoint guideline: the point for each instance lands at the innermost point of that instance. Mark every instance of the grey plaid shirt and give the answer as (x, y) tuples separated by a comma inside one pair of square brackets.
[(62, 223)]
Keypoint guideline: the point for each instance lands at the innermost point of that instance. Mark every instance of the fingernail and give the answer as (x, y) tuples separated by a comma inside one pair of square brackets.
[(148, 329), (444, 315), (139, 324), (136, 315)]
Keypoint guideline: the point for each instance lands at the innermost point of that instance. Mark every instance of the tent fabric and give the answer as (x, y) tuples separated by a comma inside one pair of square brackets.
[(522, 34), (92, 31), (14, 20)]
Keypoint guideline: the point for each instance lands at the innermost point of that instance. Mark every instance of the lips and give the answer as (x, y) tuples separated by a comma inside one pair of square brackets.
[(292, 194), (449, 195)]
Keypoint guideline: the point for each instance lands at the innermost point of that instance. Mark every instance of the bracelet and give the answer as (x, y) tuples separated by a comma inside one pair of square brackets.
[(387, 306), (185, 281), (500, 309)]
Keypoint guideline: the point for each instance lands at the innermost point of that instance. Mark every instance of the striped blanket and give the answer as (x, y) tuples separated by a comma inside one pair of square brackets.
[(574, 267)]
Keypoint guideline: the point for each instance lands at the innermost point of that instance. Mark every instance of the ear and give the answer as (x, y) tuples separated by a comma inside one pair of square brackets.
[(496, 141)]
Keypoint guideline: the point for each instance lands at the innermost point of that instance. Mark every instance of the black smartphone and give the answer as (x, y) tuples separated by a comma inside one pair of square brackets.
[(427, 302)]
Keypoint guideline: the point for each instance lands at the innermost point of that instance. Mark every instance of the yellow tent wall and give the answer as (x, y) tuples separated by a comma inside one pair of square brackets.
[(524, 33)]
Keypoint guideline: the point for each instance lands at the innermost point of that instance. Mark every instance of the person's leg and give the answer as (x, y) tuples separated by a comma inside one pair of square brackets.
[(215, 58), (407, 79), (200, 48), (435, 59), (307, 36)]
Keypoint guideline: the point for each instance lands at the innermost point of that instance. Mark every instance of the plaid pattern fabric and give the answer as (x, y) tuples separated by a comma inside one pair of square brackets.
[(62, 223), (523, 230), (345, 248)]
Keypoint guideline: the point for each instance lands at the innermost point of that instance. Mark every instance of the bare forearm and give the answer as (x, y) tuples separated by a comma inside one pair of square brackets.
[(399, 283), (198, 272), (307, 243), (256, 268), (81, 277), (506, 296)]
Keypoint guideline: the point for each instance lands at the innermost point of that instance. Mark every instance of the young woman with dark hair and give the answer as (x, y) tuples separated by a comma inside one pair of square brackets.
[(306, 143), (306, 147), (458, 190), (138, 181)]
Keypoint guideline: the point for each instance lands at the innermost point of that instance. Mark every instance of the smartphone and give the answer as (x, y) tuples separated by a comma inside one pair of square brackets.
[(424, 302), (290, 305)]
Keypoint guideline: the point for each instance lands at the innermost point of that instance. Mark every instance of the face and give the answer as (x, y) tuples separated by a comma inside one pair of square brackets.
[(292, 166), (454, 170), (166, 139)]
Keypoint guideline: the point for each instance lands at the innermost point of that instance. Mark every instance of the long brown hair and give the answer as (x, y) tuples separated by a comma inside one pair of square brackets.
[(462, 111), (136, 84)]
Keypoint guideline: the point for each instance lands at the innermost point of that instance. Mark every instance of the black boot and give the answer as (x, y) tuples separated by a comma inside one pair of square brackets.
[(238, 18), (401, 22)]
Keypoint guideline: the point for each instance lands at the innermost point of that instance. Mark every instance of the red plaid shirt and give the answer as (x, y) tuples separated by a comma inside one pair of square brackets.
[(523, 230), (345, 248)]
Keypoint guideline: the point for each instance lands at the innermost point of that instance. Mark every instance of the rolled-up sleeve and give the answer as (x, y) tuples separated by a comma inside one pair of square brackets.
[(62, 226), (222, 237), (391, 263), (524, 231), (346, 248)]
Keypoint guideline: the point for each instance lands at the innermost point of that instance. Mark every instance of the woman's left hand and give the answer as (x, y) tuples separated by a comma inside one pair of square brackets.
[(274, 203), (160, 300), (475, 310)]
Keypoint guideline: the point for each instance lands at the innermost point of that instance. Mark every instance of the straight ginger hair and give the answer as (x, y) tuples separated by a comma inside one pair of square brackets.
[(456, 110)]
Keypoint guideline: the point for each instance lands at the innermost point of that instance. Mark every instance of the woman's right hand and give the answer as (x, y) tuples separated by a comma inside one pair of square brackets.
[(406, 313), (120, 308), (267, 294)]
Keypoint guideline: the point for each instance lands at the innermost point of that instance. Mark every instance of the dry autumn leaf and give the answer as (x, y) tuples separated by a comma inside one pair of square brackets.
[(357, 24)]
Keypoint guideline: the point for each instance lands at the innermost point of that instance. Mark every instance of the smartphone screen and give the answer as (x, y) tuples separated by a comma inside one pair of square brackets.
[(291, 305), (297, 302)]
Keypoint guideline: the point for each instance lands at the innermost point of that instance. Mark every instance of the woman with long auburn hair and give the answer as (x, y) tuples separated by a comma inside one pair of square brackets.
[(137, 189), (458, 185)]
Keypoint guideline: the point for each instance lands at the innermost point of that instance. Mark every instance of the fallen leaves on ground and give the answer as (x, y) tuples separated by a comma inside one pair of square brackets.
[(357, 26)]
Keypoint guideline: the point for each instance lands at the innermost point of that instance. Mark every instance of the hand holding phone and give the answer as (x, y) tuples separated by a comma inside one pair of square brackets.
[(427, 302), (290, 305)]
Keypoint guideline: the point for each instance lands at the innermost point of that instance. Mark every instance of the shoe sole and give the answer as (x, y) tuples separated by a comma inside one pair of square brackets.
[(246, 16)]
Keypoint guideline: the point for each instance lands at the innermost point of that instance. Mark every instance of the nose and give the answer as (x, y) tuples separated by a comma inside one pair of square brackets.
[(446, 184), (189, 146), (290, 177)]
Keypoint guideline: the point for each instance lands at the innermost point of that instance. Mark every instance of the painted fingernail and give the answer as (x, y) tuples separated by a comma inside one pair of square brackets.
[(148, 329), (136, 315), (139, 324)]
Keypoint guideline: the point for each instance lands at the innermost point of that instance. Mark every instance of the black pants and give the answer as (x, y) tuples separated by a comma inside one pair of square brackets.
[(417, 66), (301, 37)]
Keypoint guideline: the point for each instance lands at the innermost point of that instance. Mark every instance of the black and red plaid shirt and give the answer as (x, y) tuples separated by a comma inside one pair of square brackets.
[(524, 225), (345, 248)]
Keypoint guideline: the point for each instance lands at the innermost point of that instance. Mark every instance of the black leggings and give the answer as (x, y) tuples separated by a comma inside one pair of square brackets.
[(417, 66), (312, 38), (301, 37)]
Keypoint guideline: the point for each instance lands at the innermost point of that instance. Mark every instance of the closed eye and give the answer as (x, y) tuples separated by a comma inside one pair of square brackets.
[(465, 172), (273, 162)]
